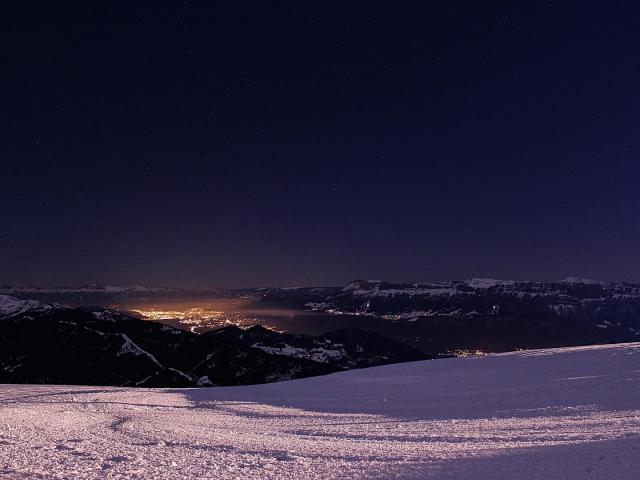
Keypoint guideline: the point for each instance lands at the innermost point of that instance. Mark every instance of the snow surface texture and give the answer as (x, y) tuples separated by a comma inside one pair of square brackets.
[(564, 413)]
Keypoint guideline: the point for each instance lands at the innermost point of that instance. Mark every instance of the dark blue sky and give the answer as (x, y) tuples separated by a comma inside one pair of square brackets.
[(248, 143)]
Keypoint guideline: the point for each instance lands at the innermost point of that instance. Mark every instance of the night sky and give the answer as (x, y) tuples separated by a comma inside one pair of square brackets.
[(312, 143)]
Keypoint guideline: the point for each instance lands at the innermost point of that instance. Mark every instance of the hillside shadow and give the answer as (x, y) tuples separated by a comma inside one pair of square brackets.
[(604, 459)]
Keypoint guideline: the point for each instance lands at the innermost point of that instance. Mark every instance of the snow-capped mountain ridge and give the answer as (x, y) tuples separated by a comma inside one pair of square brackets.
[(12, 307), (571, 286), (91, 287), (571, 290), (567, 312)]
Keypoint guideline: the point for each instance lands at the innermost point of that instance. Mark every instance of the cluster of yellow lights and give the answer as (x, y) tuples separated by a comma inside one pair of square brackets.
[(191, 313), (467, 353), (198, 317)]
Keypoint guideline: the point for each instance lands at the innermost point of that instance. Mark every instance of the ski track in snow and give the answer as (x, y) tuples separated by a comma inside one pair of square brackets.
[(562, 413)]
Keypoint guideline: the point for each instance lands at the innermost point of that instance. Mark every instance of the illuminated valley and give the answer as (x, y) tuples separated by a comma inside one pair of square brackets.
[(200, 316), (198, 319)]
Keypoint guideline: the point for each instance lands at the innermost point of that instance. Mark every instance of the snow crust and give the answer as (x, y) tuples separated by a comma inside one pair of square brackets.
[(543, 414)]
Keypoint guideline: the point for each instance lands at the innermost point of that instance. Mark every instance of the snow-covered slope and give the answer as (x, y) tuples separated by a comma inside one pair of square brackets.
[(566, 413), (11, 307)]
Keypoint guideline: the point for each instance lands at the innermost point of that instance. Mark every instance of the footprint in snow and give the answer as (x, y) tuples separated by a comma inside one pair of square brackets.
[(284, 457), (112, 461), (117, 459)]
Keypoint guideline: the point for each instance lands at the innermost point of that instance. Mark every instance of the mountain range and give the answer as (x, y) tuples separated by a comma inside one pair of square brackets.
[(56, 344), (479, 314), (438, 318)]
